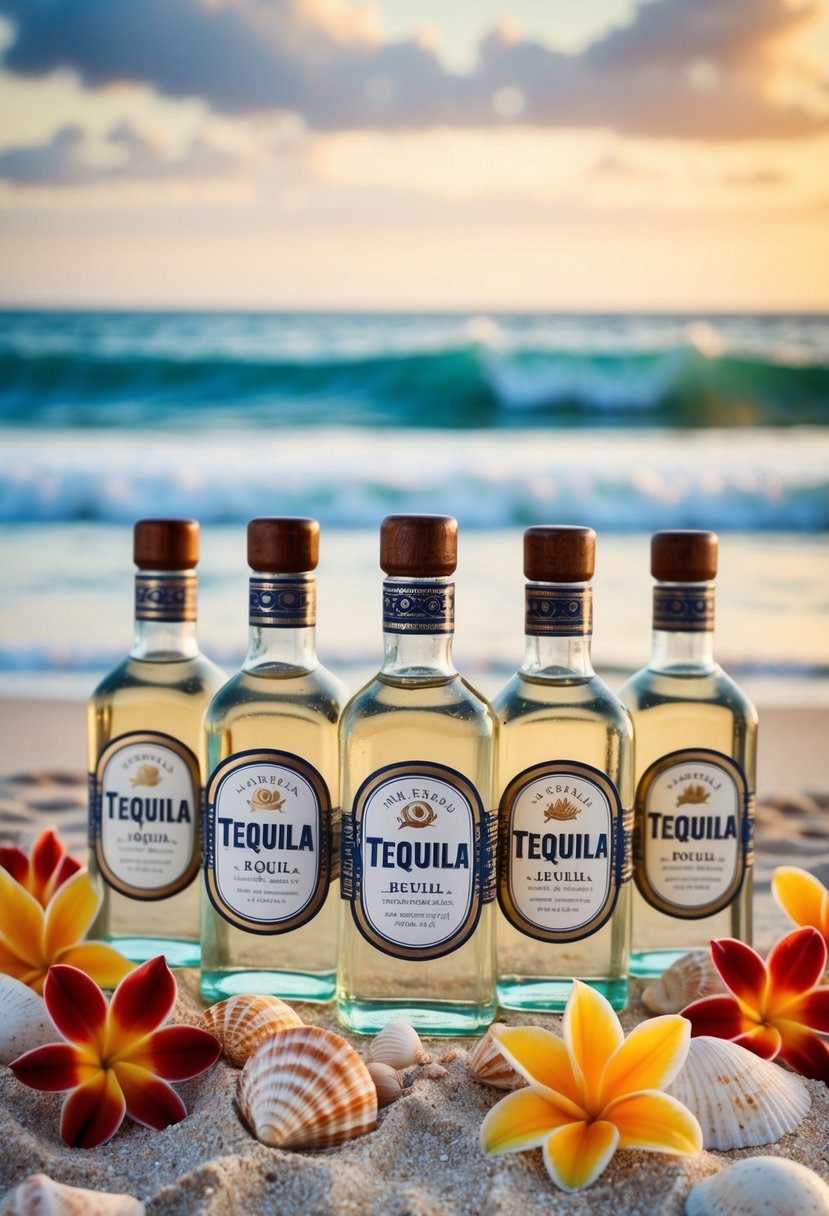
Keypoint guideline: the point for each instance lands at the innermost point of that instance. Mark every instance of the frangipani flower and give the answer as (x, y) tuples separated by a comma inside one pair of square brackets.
[(593, 1091), (115, 1059), (802, 897), (33, 938), (42, 872), (776, 1005)]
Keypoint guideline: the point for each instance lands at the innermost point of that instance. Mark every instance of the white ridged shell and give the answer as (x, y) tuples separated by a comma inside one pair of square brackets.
[(488, 1064), (689, 979), (760, 1186), (40, 1195), (307, 1088), (738, 1098), (387, 1082), (24, 1022), (241, 1023), (399, 1045)]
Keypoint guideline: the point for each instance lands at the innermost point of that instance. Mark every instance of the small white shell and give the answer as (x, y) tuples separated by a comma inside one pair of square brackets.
[(40, 1195), (24, 1022), (241, 1023), (760, 1186), (488, 1064), (307, 1088), (399, 1045), (387, 1082), (738, 1098), (688, 979)]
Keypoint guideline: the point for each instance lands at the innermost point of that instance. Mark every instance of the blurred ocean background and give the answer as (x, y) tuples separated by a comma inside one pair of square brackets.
[(625, 423)]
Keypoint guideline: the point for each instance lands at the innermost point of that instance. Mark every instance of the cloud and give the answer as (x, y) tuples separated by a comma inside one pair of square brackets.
[(695, 69)]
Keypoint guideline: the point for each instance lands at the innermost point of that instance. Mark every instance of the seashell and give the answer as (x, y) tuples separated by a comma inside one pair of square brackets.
[(433, 1072), (760, 1186), (397, 1044), (306, 1088), (24, 1022), (688, 979), (387, 1082), (40, 1195), (738, 1098), (241, 1023), (266, 800), (489, 1065), (148, 774)]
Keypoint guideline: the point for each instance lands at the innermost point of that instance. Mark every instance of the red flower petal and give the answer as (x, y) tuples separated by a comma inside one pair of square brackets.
[(741, 970), (176, 1052), (15, 861), (796, 963), (66, 867), (810, 1010), (93, 1112), (141, 1002), (55, 1066), (718, 1016), (805, 1052), (763, 1040), (150, 1100), (46, 854), (76, 1005)]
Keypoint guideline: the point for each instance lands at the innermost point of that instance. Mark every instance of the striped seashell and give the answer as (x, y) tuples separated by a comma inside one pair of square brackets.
[(40, 1195), (738, 1098), (307, 1088), (688, 979), (24, 1022), (489, 1065), (760, 1186), (399, 1045), (241, 1023), (387, 1082)]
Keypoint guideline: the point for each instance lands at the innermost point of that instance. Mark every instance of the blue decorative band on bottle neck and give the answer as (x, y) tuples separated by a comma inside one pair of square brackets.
[(283, 603), (166, 597), (418, 607), (553, 610), (683, 607)]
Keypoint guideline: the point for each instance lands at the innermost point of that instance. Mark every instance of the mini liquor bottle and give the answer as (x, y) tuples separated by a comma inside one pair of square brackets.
[(144, 733), (696, 739), (565, 769), (269, 918), (417, 940)]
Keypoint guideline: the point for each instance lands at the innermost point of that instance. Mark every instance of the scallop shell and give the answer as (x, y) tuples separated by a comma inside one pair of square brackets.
[(688, 979), (399, 1045), (760, 1186), (387, 1082), (241, 1023), (40, 1195), (306, 1088), (24, 1022), (489, 1065), (738, 1098)]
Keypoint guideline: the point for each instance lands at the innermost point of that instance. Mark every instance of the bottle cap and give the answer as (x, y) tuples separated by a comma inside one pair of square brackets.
[(684, 556), (559, 554), (419, 546), (289, 545), (166, 544)]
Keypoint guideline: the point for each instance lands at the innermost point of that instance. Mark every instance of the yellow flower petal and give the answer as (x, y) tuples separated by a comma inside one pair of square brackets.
[(800, 895), (592, 1033), (655, 1121), (70, 914), (575, 1155), (21, 921), (101, 963), (650, 1057), (18, 968), (542, 1057), (523, 1119)]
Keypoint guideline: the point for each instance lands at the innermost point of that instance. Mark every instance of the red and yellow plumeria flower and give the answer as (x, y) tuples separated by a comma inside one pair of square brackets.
[(776, 1005), (43, 870), (32, 938), (802, 897), (593, 1091), (115, 1060)]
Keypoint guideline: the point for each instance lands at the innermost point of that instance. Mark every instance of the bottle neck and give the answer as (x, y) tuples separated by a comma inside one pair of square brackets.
[(282, 637), (683, 628), (558, 627), (418, 628), (165, 616)]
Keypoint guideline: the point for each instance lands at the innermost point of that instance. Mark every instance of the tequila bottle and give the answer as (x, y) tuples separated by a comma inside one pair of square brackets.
[(696, 738), (565, 770), (417, 939), (145, 785), (269, 918)]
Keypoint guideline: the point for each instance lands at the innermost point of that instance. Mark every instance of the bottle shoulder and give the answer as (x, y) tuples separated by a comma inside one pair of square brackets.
[(248, 694), (190, 676), (530, 699), (447, 697), (650, 688)]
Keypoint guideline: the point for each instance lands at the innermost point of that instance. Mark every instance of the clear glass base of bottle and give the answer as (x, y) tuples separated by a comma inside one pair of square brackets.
[(433, 1019), (551, 995), (316, 986), (177, 953), (649, 963)]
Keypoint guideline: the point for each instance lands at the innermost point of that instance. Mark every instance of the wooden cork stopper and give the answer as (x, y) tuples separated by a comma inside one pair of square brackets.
[(559, 554), (166, 544), (684, 556), (419, 546), (283, 545)]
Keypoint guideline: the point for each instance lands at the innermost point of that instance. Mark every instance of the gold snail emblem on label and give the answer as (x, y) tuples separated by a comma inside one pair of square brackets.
[(266, 800), (693, 794), (561, 809), (148, 774), (416, 815)]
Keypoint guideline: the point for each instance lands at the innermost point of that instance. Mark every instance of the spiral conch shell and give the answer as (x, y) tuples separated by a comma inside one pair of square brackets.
[(24, 1022), (417, 815), (760, 1186), (489, 1065), (307, 1088), (738, 1098), (688, 979), (40, 1195), (398, 1044), (241, 1023), (266, 800)]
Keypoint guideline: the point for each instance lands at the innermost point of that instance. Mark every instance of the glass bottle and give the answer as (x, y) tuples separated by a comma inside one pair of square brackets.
[(269, 918), (696, 741), (565, 770), (416, 745), (144, 722)]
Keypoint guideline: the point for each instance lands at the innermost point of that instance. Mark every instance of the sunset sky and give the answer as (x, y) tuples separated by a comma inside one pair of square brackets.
[(599, 154)]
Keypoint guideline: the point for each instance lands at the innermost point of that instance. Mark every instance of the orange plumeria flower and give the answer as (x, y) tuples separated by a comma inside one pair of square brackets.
[(776, 1005), (32, 938), (115, 1060), (43, 870), (802, 897), (593, 1091)]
